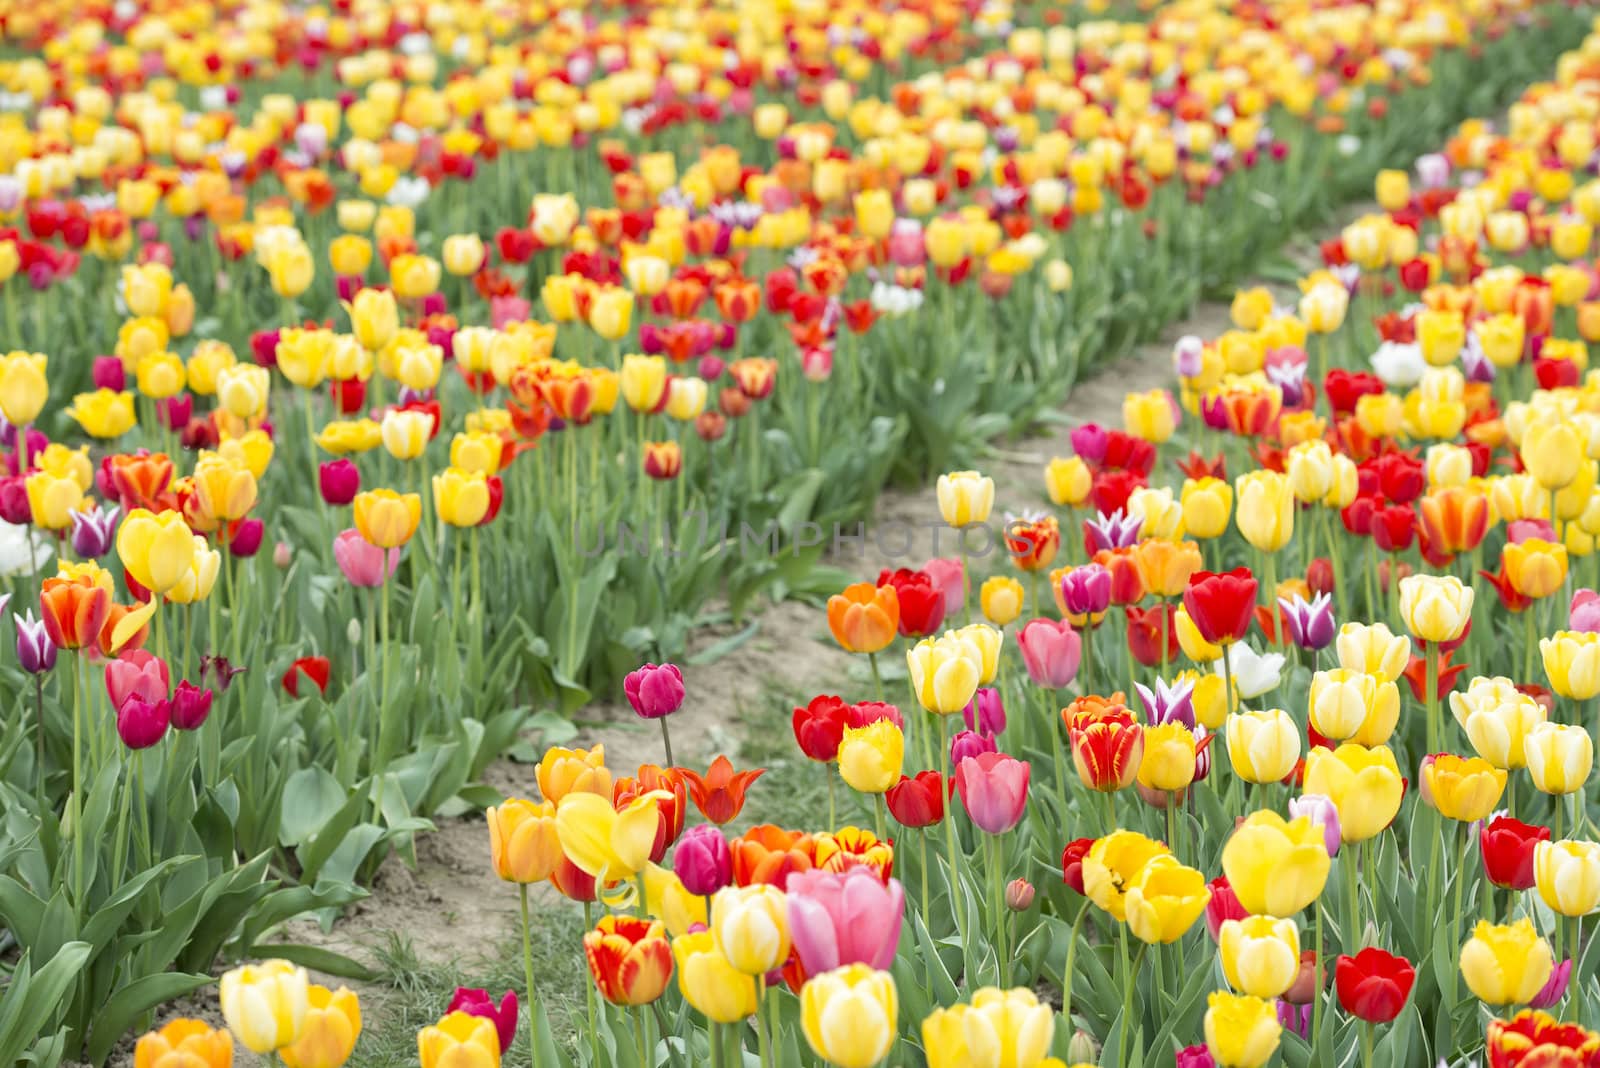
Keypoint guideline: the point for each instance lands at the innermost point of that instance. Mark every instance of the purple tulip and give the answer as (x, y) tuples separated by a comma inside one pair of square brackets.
[(221, 668), (1188, 356), (1114, 531), (1051, 651), (848, 917), (142, 723), (985, 713), (1086, 590), (654, 690), (1310, 624), (1168, 703), (36, 653), (1296, 1018), (190, 706), (1555, 988), (94, 531), (702, 860), (1322, 812), (969, 744), (476, 1002)]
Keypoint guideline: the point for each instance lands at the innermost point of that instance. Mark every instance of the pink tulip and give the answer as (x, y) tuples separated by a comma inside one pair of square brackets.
[(136, 672), (654, 690), (1585, 611), (1051, 650), (946, 573), (477, 1002), (361, 561), (994, 790), (142, 723), (848, 917)]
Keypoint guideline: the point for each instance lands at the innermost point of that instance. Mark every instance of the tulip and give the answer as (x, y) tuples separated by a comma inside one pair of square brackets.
[(93, 532), (870, 757), (1168, 762), (970, 744), (1497, 719), (564, 771), (1165, 901), (1572, 663), (24, 386), (1310, 625), (917, 801), (361, 562), (318, 669), (1506, 964), (1019, 895), (849, 1015), (864, 618), (1373, 985), (750, 925), (1584, 613), (1567, 874), (1241, 1031), (654, 691), (1462, 789), (477, 1002), (1086, 591), (997, 1028), (709, 983), (265, 1004), (1560, 757), (1265, 512), (965, 497), (719, 793), (606, 842), (1531, 1038), (1000, 598), (387, 519), (1194, 646), (945, 672), (136, 673), (1372, 649), (1435, 608), (629, 959), (1364, 784), (156, 549), (849, 917), (461, 498), (1113, 865), (702, 860), (460, 1040), (524, 845), (985, 713), (1108, 753), (338, 481), (36, 653), (1535, 568), (1263, 746), (1276, 867), (1207, 504), (332, 1025), (1551, 452), (1221, 605), (1322, 813), (1196, 1057), (1508, 847), (819, 727), (1260, 955), (994, 790)]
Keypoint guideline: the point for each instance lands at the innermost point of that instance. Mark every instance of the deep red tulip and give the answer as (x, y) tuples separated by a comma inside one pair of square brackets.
[(1151, 628), (1394, 528), (917, 801), (1221, 605), (921, 601), (1072, 862), (1507, 846), (1223, 906), (819, 727), (1373, 985), (316, 668)]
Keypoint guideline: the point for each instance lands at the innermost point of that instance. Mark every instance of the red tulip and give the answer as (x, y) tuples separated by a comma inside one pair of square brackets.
[(1373, 985), (917, 801), (819, 727), (719, 794), (1149, 629), (1221, 605), (1127, 584), (1394, 528), (1072, 862), (1223, 906), (1107, 752), (1508, 846), (316, 668), (921, 601)]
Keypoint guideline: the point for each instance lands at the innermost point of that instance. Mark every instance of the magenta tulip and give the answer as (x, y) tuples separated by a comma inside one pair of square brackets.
[(246, 539), (477, 1002), (1051, 651), (142, 723), (994, 790), (848, 917), (654, 690), (702, 860), (339, 481), (969, 744), (136, 672), (190, 706), (361, 561)]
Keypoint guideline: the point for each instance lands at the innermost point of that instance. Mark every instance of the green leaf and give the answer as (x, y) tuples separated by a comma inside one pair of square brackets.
[(318, 959), (310, 798), (124, 1008)]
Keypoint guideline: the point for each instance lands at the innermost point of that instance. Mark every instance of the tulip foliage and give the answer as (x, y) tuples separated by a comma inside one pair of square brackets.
[(380, 388)]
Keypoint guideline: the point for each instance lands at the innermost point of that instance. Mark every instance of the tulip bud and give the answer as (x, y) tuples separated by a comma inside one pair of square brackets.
[(281, 555), (352, 632), (1082, 1049), (1019, 895), (190, 706)]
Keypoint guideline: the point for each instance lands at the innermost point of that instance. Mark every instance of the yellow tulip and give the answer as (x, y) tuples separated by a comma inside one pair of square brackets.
[(601, 840), (1207, 504), (715, 989), (999, 1027), (1353, 705), (1506, 964), (1276, 866), (412, 276), (643, 381), (524, 846), (1497, 718), (1572, 663), (461, 498), (1113, 865), (24, 387), (52, 499), (290, 268), (611, 313), (1464, 789), (146, 287), (1193, 643), (1363, 784), (1265, 514), (870, 757), (945, 672), (1551, 452), (1241, 1031), (1165, 901), (1535, 568), (243, 390), (226, 489), (562, 771), (463, 254), (1263, 746), (1436, 608), (1440, 335), (987, 641), (343, 437), (965, 497), (332, 1025), (1067, 480), (1374, 650), (477, 450), (1260, 955), (750, 925), (1150, 415), (460, 1040), (303, 356), (1168, 761), (160, 375), (387, 519), (265, 1004), (849, 1015), (1001, 599), (1567, 874), (1560, 757), (374, 317), (157, 550), (205, 563), (667, 900)]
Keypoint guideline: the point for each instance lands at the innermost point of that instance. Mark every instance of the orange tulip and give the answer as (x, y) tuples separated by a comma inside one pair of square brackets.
[(565, 771), (184, 1043), (1033, 543), (864, 618), (1454, 520), (1127, 583), (74, 610), (629, 958), (571, 398), (719, 794), (1165, 566), (670, 811), (1251, 412), (769, 854)]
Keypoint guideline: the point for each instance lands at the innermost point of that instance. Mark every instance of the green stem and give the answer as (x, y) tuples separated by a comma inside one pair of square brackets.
[(78, 901), (761, 1022), (527, 976)]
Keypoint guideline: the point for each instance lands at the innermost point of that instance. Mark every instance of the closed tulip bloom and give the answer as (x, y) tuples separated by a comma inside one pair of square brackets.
[(1373, 985), (1497, 717), (1165, 566), (709, 983), (1572, 663), (1260, 955), (994, 790), (264, 1004), (1435, 608), (1221, 605), (1276, 867), (849, 1015), (1465, 789), (155, 549), (751, 927), (1364, 784), (1067, 479), (629, 959), (1373, 649), (1000, 598), (998, 1029), (945, 672), (1207, 505), (1263, 746), (611, 313), (1168, 761), (1113, 865), (523, 844), (460, 1040), (333, 1023), (870, 757), (643, 381), (1535, 568), (1151, 415), (1108, 753), (1506, 964), (24, 387), (461, 498), (1051, 651), (104, 413), (52, 499), (1265, 511), (184, 1043), (1567, 874), (225, 488), (604, 841), (406, 432), (1241, 1031), (1086, 590), (387, 519), (965, 497), (848, 917), (1342, 701), (1323, 814), (864, 618), (1560, 757), (1508, 846), (1165, 901), (374, 317), (1551, 452)]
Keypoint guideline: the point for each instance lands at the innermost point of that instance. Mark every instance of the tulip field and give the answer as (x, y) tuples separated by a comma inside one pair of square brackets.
[(1136, 464)]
